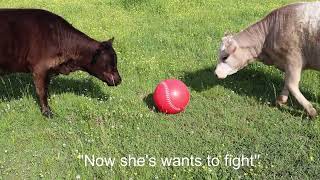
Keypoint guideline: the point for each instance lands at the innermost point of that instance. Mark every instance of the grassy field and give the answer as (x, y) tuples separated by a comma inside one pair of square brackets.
[(155, 40)]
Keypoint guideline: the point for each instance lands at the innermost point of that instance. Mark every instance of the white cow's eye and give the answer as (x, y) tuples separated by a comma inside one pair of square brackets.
[(224, 58)]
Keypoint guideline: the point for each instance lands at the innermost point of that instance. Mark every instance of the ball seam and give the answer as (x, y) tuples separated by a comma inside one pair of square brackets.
[(168, 99)]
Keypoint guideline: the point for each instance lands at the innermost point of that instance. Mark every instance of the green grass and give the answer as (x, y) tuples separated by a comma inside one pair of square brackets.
[(155, 40)]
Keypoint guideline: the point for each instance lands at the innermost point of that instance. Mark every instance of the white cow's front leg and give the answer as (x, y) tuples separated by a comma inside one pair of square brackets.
[(293, 75), (282, 99)]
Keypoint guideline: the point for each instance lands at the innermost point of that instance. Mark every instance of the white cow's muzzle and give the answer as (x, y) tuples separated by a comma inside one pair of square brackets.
[(223, 70)]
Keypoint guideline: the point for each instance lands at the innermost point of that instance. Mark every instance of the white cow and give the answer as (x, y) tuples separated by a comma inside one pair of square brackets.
[(288, 38)]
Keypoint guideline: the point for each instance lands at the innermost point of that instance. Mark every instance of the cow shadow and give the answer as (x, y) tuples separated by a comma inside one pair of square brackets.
[(15, 86), (261, 84), (148, 100)]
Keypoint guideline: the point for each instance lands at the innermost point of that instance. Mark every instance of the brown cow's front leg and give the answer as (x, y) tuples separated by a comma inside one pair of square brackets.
[(41, 82), (292, 79)]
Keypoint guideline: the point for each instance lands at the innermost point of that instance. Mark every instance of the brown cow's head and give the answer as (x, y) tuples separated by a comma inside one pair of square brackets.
[(104, 64), (232, 57)]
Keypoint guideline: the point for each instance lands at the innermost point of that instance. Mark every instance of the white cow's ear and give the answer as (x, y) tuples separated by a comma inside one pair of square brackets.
[(224, 39), (227, 33), (232, 49), (231, 46)]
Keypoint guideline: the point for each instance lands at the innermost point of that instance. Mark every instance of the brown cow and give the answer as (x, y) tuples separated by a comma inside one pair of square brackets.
[(43, 44)]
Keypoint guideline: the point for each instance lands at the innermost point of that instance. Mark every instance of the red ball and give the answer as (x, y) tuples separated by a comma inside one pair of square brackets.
[(171, 96)]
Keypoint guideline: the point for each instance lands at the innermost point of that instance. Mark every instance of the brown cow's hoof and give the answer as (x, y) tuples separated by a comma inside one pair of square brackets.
[(47, 113), (313, 113)]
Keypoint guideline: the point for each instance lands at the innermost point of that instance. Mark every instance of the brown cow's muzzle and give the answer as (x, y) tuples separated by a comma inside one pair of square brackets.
[(112, 79)]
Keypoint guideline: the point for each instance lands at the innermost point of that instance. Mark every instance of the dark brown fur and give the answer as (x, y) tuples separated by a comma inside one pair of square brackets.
[(43, 44)]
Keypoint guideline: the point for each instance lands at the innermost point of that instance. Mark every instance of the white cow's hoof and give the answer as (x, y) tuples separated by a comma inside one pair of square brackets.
[(281, 100), (312, 113)]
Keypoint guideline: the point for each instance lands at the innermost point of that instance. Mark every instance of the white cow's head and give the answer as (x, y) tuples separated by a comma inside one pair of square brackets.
[(232, 57)]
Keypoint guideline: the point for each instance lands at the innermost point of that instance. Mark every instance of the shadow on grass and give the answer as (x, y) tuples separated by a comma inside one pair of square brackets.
[(150, 103), (129, 3), (253, 82), (15, 86)]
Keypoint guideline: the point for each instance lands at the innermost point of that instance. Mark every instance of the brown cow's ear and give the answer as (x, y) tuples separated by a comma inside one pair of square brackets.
[(108, 43), (111, 40), (95, 56)]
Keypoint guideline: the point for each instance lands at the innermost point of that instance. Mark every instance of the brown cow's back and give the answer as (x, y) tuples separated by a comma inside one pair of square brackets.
[(28, 36)]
